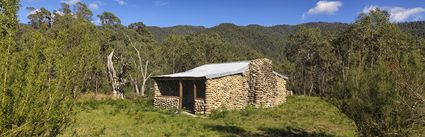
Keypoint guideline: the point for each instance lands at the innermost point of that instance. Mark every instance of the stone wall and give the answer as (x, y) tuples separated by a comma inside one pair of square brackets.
[(229, 92), (281, 93), (166, 102), (156, 91), (199, 106), (258, 86), (262, 82)]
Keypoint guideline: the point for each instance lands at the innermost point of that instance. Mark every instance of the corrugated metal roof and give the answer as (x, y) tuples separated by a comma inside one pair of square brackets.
[(210, 71), (280, 75)]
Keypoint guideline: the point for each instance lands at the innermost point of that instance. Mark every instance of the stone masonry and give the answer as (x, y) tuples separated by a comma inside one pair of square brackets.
[(199, 106), (230, 92), (282, 93), (257, 86), (167, 102), (263, 85)]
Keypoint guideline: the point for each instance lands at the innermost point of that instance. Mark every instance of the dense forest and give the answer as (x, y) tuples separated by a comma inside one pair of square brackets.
[(416, 28), (372, 69)]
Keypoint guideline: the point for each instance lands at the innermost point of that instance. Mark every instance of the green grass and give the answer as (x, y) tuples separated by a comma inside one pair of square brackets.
[(300, 116)]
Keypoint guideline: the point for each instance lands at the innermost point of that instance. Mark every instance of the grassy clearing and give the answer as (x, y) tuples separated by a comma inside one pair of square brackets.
[(300, 116)]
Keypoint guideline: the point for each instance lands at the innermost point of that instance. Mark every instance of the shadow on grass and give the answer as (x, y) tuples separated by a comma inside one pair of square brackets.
[(267, 132)]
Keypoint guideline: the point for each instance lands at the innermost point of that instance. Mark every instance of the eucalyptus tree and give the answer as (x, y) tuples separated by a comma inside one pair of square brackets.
[(109, 18), (312, 53), (82, 11), (142, 29), (66, 8), (40, 18), (379, 84)]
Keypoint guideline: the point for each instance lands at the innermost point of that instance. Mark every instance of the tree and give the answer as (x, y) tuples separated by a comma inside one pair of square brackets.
[(313, 55), (109, 18), (124, 41), (117, 79), (35, 93), (378, 82), (143, 74), (40, 18), (171, 52), (141, 28), (83, 12), (187, 52), (66, 8)]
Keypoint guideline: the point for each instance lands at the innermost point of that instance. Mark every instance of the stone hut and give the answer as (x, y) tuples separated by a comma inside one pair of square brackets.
[(231, 85)]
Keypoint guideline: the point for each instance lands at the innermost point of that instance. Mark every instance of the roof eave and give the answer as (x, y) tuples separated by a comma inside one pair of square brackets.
[(280, 75), (178, 78)]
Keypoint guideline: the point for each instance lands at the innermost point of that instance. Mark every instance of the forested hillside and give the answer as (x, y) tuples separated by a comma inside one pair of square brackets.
[(271, 41), (160, 34), (372, 70), (416, 28)]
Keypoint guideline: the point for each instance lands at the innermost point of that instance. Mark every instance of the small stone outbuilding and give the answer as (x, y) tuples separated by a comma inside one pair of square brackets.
[(231, 85)]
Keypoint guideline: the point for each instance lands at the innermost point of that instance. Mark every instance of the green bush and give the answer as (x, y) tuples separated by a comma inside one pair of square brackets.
[(36, 94)]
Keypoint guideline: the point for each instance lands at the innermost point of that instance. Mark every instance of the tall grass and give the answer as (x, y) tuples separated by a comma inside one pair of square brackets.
[(300, 116)]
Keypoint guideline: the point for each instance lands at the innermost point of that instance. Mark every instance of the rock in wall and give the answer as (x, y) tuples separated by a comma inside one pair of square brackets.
[(166, 102), (262, 82), (156, 91), (229, 92), (281, 93), (199, 106)]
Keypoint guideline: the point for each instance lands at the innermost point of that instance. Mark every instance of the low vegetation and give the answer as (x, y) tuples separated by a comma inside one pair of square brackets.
[(300, 116)]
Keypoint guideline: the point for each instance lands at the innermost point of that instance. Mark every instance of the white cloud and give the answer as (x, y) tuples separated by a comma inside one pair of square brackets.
[(71, 2), (95, 5), (159, 3), (398, 14), (325, 7), (121, 2)]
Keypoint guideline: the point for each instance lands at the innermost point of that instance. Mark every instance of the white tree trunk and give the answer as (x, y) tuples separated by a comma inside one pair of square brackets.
[(145, 75), (135, 84), (143, 87), (117, 82)]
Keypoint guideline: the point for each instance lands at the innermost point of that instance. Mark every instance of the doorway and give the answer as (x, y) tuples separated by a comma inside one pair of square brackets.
[(188, 102)]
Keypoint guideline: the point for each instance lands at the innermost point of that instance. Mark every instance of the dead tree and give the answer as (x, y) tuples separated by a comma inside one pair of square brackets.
[(117, 80), (144, 74)]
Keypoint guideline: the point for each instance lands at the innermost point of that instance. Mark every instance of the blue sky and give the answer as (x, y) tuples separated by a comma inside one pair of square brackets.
[(241, 12)]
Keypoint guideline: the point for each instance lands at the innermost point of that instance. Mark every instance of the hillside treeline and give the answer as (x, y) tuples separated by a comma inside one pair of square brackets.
[(371, 69), (374, 72)]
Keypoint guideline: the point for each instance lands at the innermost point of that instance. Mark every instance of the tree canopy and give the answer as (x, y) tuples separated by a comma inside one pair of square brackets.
[(109, 18)]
